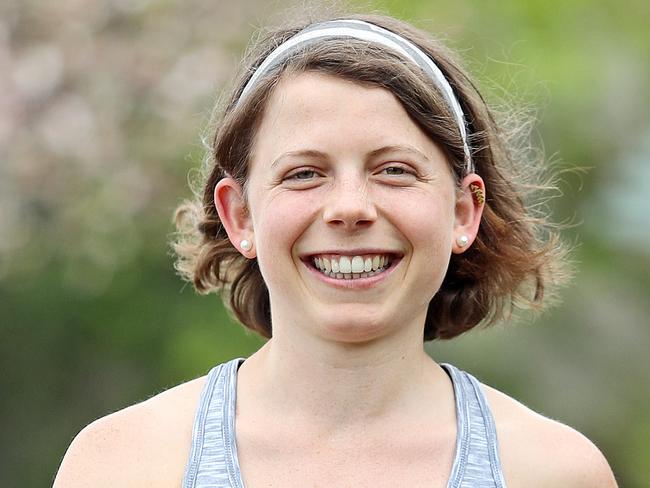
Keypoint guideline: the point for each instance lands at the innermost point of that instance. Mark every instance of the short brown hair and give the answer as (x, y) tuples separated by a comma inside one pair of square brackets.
[(517, 258)]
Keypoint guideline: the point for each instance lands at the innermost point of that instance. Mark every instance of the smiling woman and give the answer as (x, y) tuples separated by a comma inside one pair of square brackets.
[(360, 200), (348, 208)]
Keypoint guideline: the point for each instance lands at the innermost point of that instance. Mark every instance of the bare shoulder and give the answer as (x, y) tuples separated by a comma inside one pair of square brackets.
[(540, 452), (146, 444)]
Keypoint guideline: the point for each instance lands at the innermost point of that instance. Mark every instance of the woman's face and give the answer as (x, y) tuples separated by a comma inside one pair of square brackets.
[(342, 181)]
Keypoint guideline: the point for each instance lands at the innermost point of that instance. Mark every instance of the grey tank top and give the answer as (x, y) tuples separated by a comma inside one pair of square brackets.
[(213, 456)]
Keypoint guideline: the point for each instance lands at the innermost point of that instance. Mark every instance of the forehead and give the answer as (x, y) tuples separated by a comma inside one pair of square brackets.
[(335, 115)]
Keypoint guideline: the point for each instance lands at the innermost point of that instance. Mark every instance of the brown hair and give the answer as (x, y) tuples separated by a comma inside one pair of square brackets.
[(517, 258)]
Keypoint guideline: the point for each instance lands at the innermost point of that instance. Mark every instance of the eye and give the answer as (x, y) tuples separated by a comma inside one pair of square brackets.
[(303, 178), (397, 170), (302, 175)]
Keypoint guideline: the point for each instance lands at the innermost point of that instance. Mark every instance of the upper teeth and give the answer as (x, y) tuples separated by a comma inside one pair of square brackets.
[(351, 264)]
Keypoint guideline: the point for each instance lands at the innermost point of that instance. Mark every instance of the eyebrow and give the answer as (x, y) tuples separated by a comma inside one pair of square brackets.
[(309, 153), (398, 148), (315, 154)]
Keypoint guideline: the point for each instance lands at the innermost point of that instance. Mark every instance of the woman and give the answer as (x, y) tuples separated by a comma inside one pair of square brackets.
[(361, 199)]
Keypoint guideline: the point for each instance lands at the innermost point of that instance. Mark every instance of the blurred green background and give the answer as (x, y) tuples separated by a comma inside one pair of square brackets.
[(101, 104)]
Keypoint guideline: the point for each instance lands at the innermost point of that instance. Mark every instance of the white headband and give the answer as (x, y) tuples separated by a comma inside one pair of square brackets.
[(366, 31)]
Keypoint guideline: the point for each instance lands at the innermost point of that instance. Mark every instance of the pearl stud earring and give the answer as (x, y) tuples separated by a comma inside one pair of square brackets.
[(246, 245), (462, 240)]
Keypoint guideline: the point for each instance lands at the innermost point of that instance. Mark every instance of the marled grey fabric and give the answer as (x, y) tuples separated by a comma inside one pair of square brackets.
[(213, 457)]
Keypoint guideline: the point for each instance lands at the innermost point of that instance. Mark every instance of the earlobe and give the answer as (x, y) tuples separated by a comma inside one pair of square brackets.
[(468, 212), (234, 215)]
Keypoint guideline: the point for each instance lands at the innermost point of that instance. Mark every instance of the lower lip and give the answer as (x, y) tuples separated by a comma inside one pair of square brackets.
[(358, 283)]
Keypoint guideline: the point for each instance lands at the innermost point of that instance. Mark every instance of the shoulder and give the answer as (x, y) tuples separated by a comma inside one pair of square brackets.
[(540, 452), (146, 444)]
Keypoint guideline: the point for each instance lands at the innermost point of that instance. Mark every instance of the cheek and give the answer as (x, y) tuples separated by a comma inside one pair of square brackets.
[(426, 221), (278, 224), (427, 225)]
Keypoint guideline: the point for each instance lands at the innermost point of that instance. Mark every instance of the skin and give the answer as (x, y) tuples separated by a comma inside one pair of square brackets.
[(343, 394)]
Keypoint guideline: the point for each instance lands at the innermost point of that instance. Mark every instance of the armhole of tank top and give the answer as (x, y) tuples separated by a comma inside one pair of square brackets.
[(491, 432), (198, 430), (462, 427)]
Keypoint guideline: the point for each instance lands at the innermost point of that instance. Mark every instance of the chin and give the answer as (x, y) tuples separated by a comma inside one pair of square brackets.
[(360, 329)]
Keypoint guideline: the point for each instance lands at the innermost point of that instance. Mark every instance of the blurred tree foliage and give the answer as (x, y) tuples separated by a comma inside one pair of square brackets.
[(101, 104)]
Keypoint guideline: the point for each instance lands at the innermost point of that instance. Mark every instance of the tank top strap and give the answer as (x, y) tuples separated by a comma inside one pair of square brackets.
[(213, 455), (477, 463)]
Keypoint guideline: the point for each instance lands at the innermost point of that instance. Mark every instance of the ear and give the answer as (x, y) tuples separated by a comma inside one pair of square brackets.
[(235, 217), (468, 211)]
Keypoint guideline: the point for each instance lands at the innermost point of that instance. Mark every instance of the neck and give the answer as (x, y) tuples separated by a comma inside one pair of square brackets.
[(339, 385)]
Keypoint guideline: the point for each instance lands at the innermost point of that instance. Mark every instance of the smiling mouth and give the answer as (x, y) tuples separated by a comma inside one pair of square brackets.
[(341, 267)]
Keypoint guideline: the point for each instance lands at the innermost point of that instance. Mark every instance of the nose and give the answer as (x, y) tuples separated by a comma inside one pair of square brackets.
[(349, 206)]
